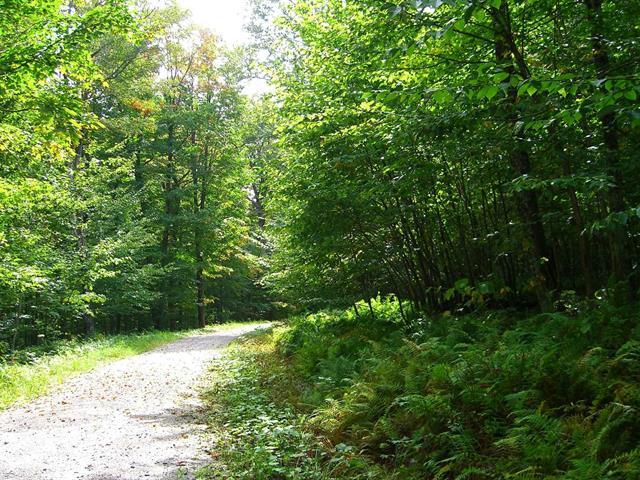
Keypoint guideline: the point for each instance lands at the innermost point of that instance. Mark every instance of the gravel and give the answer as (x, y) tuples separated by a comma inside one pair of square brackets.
[(137, 418)]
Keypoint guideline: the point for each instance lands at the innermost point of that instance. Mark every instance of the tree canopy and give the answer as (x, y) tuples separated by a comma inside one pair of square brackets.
[(456, 151), (451, 154), (123, 186)]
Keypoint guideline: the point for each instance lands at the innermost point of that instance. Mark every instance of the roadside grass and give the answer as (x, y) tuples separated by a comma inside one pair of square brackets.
[(255, 430), (34, 374), (222, 327)]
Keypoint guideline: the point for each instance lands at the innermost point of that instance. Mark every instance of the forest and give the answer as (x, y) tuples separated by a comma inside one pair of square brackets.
[(437, 202), (125, 162)]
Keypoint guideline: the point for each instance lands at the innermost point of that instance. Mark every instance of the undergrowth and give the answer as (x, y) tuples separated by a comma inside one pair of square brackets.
[(477, 396), (255, 434)]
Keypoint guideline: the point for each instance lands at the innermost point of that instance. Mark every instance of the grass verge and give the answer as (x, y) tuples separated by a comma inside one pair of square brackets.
[(23, 381), (256, 433)]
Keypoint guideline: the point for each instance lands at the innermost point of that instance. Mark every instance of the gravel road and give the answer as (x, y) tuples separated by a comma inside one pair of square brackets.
[(136, 418)]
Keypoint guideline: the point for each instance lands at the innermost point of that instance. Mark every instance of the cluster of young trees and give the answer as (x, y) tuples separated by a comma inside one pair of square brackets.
[(123, 172), (455, 151)]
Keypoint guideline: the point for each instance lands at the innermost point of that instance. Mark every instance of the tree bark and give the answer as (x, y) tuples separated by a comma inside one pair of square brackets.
[(509, 57), (164, 316), (199, 204), (88, 323), (619, 264)]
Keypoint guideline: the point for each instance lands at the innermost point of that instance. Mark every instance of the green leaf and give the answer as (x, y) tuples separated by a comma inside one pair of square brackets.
[(70, 112), (449, 294), (500, 76), (522, 89), (442, 96), (486, 288), (630, 94), (491, 92), (479, 15)]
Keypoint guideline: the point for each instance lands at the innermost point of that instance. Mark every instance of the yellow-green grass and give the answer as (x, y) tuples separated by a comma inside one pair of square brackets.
[(23, 382)]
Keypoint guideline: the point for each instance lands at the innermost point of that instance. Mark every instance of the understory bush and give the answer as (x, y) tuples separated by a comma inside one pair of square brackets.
[(477, 396)]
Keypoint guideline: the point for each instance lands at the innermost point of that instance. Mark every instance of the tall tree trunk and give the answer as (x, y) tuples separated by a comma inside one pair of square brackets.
[(584, 248), (256, 201), (202, 315), (165, 315), (199, 204), (139, 180), (80, 219), (509, 57), (619, 263)]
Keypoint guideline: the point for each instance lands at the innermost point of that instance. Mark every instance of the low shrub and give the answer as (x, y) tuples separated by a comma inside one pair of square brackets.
[(478, 396)]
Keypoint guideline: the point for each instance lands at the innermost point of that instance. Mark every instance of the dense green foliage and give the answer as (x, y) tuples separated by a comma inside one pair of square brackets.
[(475, 162), (457, 151), (123, 173), (484, 396)]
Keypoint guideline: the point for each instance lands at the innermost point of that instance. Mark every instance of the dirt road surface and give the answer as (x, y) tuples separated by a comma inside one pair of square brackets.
[(137, 418)]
